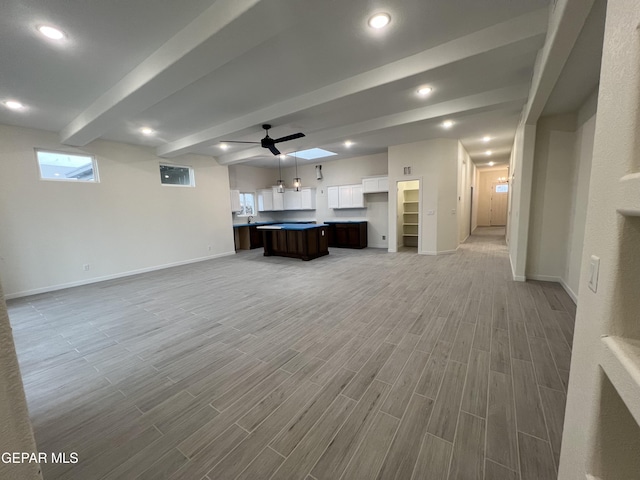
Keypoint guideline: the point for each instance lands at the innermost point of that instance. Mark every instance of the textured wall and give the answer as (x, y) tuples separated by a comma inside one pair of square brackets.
[(599, 438), (15, 427)]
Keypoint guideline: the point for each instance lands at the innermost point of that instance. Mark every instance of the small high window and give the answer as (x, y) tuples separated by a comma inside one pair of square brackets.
[(177, 175), (68, 167), (247, 204)]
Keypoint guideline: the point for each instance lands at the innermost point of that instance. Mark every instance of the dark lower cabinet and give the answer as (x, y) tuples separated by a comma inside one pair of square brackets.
[(255, 237), (347, 234), (305, 244)]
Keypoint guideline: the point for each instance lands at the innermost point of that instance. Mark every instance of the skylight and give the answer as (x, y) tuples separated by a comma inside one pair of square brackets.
[(314, 153)]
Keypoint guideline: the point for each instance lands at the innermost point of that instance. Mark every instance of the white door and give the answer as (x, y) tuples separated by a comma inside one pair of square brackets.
[(499, 196)]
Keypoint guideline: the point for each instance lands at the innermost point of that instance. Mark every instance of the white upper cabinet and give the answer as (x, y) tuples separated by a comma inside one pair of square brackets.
[(278, 199), (305, 199), (292, 199), (345, 196), (270, 200), (308, 199), (235, 201), (265, 200), (333, 197), (375, 184)]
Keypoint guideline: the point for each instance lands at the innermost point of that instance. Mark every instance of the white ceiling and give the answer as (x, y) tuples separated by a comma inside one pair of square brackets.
[(202, 71)]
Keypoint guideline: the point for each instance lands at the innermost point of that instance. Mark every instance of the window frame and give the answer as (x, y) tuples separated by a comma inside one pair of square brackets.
[(255, 208), (94, 165), (192, 176)]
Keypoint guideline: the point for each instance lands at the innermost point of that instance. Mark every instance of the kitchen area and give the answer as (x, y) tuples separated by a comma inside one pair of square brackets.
[(307, 221)]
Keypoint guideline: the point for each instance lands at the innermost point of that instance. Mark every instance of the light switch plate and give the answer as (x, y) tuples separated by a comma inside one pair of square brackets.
[(594, 269)]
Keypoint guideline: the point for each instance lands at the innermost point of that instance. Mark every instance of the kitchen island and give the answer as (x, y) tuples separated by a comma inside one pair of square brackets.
[(305, 241)]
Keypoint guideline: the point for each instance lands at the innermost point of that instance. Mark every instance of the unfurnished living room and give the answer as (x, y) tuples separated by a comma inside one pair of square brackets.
[(292, 239)]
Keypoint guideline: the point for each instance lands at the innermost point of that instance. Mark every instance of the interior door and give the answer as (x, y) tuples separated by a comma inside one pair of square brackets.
[(499, 196)]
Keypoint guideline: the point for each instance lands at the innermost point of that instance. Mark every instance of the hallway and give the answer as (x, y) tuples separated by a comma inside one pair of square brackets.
[(362, 364)]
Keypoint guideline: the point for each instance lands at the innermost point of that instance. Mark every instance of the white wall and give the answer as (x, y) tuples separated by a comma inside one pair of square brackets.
[(521, 171), (600, 437), (251, 179), (551, 197), (559, 196), (344, 172), (125, 224), (435, 163), (580, 186), (16, 434), (466, 179)]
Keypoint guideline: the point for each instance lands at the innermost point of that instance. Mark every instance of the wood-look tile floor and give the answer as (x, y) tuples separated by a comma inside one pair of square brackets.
[(359, 365)]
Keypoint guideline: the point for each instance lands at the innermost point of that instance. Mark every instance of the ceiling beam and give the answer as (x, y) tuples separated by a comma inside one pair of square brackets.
[(492, 99), (566, 23), (525, 27), (176, 64)]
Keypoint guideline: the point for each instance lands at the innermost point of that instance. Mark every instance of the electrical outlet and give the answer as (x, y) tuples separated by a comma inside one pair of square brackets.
[(384, 237), (85, 267)]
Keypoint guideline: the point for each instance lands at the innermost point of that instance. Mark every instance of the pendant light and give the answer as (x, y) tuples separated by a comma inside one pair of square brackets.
[(297, 182), (280, 183)]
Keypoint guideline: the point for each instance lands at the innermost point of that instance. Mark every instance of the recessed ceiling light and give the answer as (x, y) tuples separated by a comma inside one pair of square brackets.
[(147, 131), (488, 153), (491, 164), (447, 123), (424, 91), (379, 20), (224, 146), (13, 105), (486, 139), (51, 32), (348, 143)]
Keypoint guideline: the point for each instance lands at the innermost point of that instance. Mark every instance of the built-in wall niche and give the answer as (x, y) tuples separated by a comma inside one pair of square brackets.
[(617, 437)]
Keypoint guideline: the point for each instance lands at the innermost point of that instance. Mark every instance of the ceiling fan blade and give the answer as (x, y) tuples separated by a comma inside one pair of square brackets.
[(274, 150), (289, 137), (235, 141)]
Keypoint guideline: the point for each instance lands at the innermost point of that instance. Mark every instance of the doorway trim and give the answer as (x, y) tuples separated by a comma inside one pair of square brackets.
[(394, 247)]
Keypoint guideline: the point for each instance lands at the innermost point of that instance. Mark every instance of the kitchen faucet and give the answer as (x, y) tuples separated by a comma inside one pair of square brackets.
[(250, 218)]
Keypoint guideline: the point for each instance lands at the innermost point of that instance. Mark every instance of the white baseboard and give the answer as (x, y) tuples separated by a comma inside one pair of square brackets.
[(377, 245), (441, 252), (62, 286), (544, 278), (516, 278), (570, 292), (556, 279)]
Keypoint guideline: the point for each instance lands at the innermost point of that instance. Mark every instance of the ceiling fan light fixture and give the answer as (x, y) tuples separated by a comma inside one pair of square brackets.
[(280, 182), (379, 20), (297, 181)]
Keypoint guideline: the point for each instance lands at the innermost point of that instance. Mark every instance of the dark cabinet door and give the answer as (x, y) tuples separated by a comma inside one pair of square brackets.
[(255, 237)]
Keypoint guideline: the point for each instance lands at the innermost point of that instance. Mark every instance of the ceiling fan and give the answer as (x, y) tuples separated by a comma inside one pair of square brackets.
[(270, 143)]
